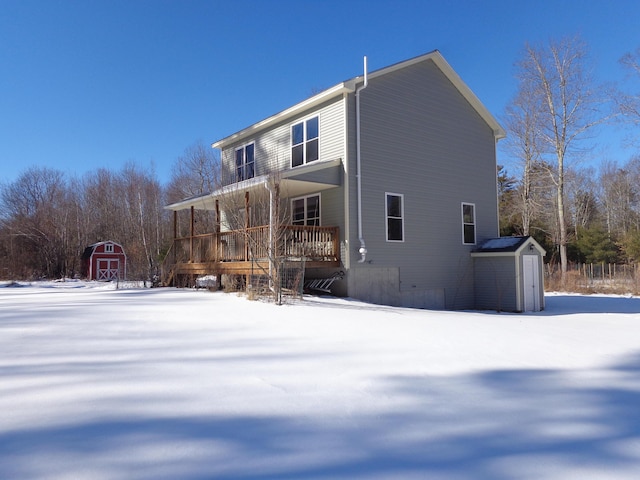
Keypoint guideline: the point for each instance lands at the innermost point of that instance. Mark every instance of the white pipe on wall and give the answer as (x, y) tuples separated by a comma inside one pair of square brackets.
[(363, 248), (272, 201)]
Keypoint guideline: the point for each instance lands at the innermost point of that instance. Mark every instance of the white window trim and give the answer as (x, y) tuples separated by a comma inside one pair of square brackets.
[(109, 248), (319, 195), (244, 165), (304, 140), (386, 216), (475, 224)]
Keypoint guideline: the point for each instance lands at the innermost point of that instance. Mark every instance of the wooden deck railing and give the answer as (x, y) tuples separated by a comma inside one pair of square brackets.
[(312, 243)]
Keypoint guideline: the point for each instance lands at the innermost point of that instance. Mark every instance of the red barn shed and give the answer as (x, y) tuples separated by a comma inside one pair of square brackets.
[(104, 261)]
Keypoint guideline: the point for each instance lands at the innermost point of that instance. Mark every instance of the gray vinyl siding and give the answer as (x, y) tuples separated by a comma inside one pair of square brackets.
[(496, 282), (421, 138), (331, 131), (273, 146), (273, 154), (332, 211)]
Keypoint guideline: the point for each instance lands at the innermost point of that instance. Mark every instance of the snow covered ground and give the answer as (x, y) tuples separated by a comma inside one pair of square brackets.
[(98, 383)]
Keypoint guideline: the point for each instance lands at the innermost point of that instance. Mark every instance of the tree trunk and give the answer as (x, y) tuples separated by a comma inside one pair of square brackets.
[(562, 228)]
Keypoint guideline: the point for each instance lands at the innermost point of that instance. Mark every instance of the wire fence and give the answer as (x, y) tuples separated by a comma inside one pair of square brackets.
[(285, 280), (595, 278)]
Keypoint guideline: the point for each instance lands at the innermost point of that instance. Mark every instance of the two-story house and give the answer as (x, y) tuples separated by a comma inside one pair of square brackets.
[(389, 177)]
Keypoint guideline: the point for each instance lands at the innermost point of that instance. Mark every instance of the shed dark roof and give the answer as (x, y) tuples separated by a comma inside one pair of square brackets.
[(502, 244), (87, 252)]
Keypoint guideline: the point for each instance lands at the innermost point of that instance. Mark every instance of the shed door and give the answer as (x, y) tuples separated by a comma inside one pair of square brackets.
[(531, 283), (108, 269)]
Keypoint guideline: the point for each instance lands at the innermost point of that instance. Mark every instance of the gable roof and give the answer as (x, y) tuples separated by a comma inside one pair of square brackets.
[(349, 86), (457, 82), (88, 251)]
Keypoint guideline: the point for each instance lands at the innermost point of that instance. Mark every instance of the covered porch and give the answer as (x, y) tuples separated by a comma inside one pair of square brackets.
[(241, 252), (236, 246)]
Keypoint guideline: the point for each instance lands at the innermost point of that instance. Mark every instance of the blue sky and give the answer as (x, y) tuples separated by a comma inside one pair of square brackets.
[(87, 84)]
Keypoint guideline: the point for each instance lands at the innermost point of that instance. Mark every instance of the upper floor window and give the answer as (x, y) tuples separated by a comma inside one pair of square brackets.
[(245, 162), (306, 210), (395, 217), (468, 223), (108, 247), (304, 142)]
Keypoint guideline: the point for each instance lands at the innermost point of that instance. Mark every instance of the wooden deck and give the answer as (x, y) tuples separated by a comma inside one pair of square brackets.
[(247, 252)]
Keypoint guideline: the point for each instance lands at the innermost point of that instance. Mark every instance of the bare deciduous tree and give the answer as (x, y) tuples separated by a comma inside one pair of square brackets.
[(261, 224), (524, 143), (196, 172), (620, 196), (583, 205), (629, 103), (568, 105), (37, 223)]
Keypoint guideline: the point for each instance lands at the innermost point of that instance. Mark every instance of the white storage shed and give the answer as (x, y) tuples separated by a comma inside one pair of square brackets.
[(509, 275)]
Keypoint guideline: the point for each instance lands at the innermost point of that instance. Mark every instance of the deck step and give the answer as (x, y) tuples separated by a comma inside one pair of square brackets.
[(323, 284)]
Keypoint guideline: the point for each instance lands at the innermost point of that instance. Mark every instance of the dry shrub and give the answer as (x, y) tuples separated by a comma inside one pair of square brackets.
[(233, 283), (574, 282), (577, 282), (252, 294)]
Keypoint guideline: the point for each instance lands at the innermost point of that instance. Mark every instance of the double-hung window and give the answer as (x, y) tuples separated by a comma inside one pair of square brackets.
[(395, 217), (245, 162), (304, 142), (306, 210), (468, 223)]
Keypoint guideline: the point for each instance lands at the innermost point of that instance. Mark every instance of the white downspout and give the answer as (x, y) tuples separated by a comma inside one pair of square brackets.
[(363, 248), (271, 220)]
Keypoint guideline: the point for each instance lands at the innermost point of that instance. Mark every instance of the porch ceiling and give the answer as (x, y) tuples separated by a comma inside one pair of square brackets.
[(290, 187), (296, 182)]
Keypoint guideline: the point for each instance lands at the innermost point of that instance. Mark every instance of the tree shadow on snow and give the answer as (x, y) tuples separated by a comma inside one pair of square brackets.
[(493, 425), (571, 304)]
